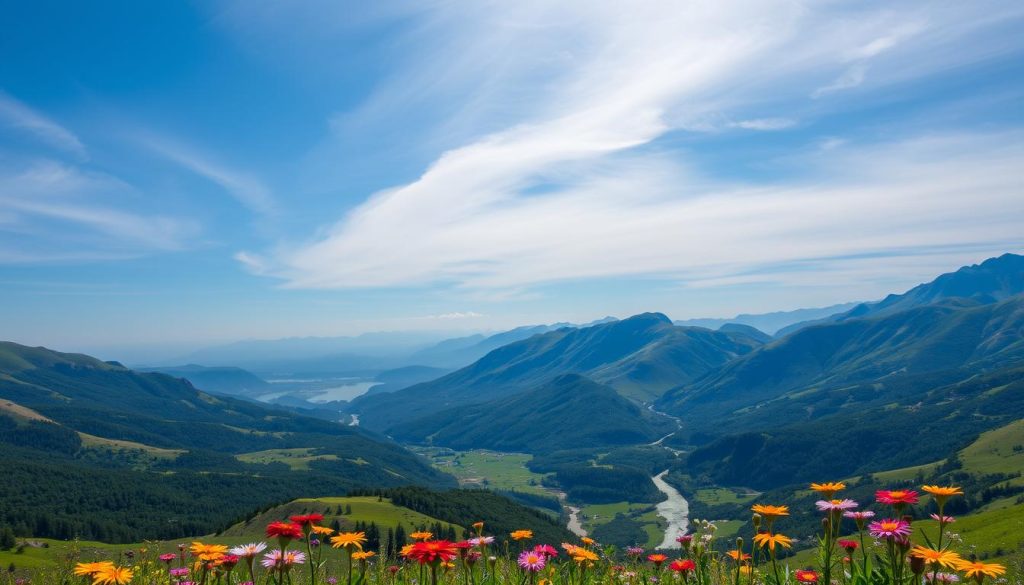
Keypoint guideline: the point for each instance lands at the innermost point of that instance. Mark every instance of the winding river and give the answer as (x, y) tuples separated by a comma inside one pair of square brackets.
[(675, 510)]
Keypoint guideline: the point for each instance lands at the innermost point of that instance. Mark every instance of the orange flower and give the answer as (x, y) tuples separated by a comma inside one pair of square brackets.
[(657, 559), (90, 569), (770, 512), (738, 555), (766, 539), (362, 555), (323, 530), (112, 576), (979, 570), (521, 534), (208, 552), (942, 493), (421, 535), (944, 558), (828, 489), (349, 540)]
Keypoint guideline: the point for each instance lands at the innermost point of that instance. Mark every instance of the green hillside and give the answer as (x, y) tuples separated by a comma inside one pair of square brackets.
[(580, 412)]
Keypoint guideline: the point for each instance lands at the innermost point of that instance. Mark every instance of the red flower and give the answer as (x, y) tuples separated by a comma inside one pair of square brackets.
[(896, 497), (284, 531), (430, 551), (229, 561), (308, 519), (657, 559), (806, 576), (546, 550), (849, 545), (682, 565)]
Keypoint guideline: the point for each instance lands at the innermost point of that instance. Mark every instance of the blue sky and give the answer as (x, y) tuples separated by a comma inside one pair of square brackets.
[(174, 174)]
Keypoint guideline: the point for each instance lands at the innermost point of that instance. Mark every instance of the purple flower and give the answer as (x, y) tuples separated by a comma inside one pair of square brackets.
[(532, 561), (179, 571), (890, 528)]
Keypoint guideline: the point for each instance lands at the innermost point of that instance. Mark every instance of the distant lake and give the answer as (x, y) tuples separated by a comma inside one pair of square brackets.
[(342, 392)]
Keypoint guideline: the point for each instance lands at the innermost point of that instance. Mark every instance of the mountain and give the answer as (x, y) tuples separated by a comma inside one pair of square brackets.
[(183, 460), (462, 351), (398, 378), (219, 380), (639, 357), (991, 281), (581, 412), (957, 335), (747, 330), (769, 322)]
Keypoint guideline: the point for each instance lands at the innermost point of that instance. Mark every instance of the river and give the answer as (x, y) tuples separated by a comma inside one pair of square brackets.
[(675, 510)]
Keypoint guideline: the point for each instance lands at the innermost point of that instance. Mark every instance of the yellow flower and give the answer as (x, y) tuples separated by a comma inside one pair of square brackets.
[(421, 535), (112, 576), (362, 555), (980, 570), (770, 512), (349, 539), (478, 526), (323, 530), (766, 539), (829, 488), (942, 493), (90, 569), (587, 541), (745, 570), (208, 552), (580, 554), (944, 558), (521, 534), (405, 550)]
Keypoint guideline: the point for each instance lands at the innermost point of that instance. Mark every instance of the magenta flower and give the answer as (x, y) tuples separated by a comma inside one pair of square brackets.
[(890, 528), (168, 557), (835, 505), (532, 561), (546, 550), (859, 516), (943, 519), (179, 571)]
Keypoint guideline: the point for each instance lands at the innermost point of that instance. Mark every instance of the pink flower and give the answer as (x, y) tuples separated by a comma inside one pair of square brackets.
[(943, 519), (481, 540), (890, 528), (168, 557), (835, 505), (179, 572), (532, 561), (684, 539), (859, 516), (896, 497), (282, 559)]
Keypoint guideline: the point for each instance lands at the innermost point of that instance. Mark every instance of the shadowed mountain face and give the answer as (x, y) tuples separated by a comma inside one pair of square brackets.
[(579, 413), (792, 371), (991, 281), (639, 357)]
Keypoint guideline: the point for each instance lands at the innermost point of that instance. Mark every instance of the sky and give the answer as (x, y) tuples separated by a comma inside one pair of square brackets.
[(176, 174)]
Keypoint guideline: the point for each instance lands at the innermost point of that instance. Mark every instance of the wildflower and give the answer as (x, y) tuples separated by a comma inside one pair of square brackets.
[(684, 539), (248, 551), (481, 540), (521, 534), (363, 555), (478, 526), (848, 545), (532, 561), (835, 505), (828, 489), (896, 497), (890, 528), (978, 570), (208, 552), (770, 512), (859, 517), (323, 530), (943, 519), (943, 578), (766, 539), (587, 541), (546, 550), (657, 559), (806, 576), (349, 540), (90, 569), (634, 551), (738, 555), (432, 551), (421, 535), (579, 553), (282, 559), (229, 561), (682, 565), (284, 532), (942, 493), (111, 575), (307, 520), (178, 571), (167, 557), (943, 558)]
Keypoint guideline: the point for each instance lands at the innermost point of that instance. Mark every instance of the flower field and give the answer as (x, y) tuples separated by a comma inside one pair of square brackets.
[(858, 544)]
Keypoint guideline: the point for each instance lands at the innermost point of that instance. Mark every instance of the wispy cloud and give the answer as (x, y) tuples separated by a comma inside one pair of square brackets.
[(20, 116), (458, 315), (765, 124), (244, 187)]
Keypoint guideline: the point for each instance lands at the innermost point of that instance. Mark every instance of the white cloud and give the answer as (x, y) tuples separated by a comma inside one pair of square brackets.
[(563, 192), (20, 116), (765, 124), (455, 316), (245, 188)]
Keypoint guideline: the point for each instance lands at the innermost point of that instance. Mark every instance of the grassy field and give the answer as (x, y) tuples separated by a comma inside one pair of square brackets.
[(42, 552), (296, 459), (490, 469)]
